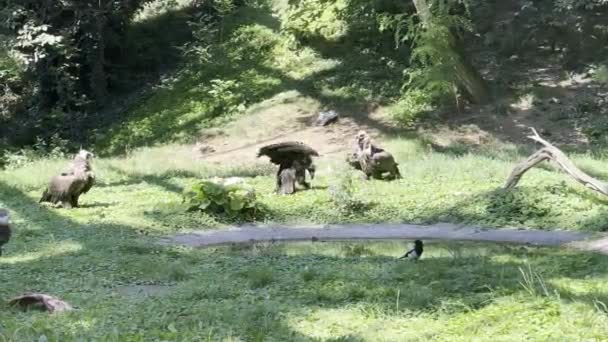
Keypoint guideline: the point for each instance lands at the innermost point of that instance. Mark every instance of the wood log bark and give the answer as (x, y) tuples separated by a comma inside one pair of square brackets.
[(552, 153)]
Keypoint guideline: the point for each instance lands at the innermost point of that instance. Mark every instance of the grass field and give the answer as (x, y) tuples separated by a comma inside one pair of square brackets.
[(143, 192), (128, 290)]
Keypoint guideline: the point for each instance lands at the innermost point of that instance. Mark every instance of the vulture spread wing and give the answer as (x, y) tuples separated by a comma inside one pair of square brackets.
[(287, 151)]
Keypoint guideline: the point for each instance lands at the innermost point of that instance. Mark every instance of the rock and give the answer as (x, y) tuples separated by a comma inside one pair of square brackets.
[(39, 300), (326, 118)]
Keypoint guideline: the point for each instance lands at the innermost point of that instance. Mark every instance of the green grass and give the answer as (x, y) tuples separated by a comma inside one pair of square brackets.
[(126, 288), (103, 258), (144, 192)]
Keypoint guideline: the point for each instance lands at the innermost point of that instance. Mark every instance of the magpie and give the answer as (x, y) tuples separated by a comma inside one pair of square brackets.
[(414, 253)]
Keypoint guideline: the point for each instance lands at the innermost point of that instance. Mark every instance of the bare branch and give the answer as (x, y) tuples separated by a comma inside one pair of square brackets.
[(550, 152)]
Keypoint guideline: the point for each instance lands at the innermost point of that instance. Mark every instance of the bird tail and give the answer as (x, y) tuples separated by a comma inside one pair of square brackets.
[(45, 196)]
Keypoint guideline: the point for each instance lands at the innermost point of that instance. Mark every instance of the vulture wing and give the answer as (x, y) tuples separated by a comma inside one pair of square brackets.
[(286, 151), (89, 183)]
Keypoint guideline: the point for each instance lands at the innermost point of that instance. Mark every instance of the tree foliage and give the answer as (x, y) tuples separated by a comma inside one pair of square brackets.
[(64, 48)]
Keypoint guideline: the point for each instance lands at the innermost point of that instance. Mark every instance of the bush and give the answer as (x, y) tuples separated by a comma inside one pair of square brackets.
[(55, 147), (316, 18), (411, 106), (224, 198)]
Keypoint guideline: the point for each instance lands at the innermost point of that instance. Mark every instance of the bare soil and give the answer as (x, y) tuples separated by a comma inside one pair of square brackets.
[(287, 119)]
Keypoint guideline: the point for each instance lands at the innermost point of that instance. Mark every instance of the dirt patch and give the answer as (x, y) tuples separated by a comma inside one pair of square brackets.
[(288, 117), (558, 105)]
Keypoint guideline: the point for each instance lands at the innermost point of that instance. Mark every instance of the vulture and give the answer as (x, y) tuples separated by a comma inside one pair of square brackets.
[(5, 227), (371, 159), (67, 187), (293, 158)]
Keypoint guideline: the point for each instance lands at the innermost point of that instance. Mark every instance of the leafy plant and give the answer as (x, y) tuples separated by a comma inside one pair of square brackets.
[(53, 148), (312, 18), (227, 199)]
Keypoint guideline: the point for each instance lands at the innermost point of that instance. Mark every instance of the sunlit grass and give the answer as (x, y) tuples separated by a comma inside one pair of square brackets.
[(50, 250), (143, 191), (136, 290)]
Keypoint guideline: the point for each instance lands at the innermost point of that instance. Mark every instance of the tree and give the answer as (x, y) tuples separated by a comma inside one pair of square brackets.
[(466, 77)]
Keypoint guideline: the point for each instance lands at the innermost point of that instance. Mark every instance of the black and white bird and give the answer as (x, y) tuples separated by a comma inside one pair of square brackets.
[(416, 252)]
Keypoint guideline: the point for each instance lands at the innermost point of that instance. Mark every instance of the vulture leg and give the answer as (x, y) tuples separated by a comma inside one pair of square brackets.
[(301, 177), (287, 178), (278, 188), (74, 200)]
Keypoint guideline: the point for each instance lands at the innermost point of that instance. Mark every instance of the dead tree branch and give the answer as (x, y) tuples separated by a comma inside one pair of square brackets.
[(552, 153)]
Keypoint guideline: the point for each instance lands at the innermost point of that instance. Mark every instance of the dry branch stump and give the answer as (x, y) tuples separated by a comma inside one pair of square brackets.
[(552, 153)]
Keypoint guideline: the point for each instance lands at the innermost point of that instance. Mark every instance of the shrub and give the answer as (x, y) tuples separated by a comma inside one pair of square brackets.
[(223, 198), (411, 106), (55, 147)]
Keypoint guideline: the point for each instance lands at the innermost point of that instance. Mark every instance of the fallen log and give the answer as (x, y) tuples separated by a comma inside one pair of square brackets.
[(552, 153)]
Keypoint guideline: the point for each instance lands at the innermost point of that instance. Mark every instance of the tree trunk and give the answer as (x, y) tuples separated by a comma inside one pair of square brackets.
[(550, 152), (468, 79)]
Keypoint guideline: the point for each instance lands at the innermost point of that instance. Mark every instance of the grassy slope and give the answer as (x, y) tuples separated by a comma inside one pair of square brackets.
[(305, 292), (252, 60)]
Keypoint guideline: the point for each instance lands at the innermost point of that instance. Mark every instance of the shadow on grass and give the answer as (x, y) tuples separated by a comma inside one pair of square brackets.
[(162, 179), (292, 285), (391, 288)]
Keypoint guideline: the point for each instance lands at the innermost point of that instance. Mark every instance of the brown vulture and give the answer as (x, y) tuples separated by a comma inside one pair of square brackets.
[(67, 187), (371, 159), (293, 158)]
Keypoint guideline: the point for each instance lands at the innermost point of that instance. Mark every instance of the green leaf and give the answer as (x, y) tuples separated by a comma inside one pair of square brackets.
[(237, 204), (204, 204)]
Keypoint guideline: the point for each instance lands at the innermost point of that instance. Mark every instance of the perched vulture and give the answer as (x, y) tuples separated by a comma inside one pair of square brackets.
[(371, 159), (5, 228), (67, 187), (293, 158)]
